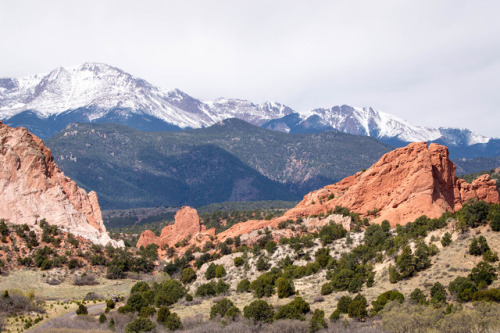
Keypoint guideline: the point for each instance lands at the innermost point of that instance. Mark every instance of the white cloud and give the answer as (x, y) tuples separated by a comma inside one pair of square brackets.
[(434, 63)]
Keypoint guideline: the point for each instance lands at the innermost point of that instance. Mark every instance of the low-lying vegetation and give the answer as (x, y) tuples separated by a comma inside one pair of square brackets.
[(325, 279)]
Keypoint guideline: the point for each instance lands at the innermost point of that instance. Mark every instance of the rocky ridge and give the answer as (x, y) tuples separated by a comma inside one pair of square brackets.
[(33, 187), (403, 185)]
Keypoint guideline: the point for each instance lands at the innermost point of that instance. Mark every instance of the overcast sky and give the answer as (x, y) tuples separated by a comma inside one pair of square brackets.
[(434, 63)]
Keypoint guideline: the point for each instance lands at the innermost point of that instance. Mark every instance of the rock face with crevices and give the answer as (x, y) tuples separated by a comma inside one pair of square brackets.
[(33, 187), (403, 185)]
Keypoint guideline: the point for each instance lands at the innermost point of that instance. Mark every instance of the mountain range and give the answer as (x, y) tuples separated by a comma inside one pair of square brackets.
[(99, 93), (231, 160)]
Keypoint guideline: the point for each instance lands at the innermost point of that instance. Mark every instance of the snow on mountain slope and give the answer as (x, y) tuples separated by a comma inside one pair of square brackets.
[(99, 92), (100, 88), (370, 122)]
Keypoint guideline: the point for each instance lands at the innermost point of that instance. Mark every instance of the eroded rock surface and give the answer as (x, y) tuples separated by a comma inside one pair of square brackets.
[(33, 187), (403, 185), (187, 227)]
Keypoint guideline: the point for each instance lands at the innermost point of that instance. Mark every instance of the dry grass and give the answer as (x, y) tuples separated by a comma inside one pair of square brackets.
[(449, 263), (73, 330), (35, 280)]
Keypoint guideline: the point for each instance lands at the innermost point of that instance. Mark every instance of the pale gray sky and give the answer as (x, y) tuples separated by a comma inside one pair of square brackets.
[(432, 62)]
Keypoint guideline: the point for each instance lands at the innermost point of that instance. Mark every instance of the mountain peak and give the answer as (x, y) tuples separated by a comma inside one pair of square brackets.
[(95, 91)]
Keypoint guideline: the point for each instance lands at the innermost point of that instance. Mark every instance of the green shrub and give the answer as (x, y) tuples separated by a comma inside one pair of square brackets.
[(264, 284), (82, 310), (342, 278), (490, 295), (343, 304), (220, 308), (284, 287), (4, 230), (147, 312), (221, 287), (232, 313), (296, 309), (259, 311), (270, 247), (384, 298), (206, 289), (173, 322), (162, 314), (418, 297), (210, 272), (137, 302), (394, 275), (239, 261), (102, 318), (125, 309), (494, 216), (317, 321), (478, 246), (262, 264), (110, 304), (139, 287), (243, 286), (168, 292), (111, 325), (189, 297), (326, 289), (462, 288), (188, 275), (357, 308), (322, 256), (406, 263), (331, 232), (335, 316), (483, 273), (140, 325), (446, 239), (474, 214), (438, 294), (490, 256), (220, 271), (355, 285)]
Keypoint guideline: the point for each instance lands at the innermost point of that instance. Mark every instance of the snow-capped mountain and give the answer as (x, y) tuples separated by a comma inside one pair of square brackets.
[(370, 122), (94, 92)]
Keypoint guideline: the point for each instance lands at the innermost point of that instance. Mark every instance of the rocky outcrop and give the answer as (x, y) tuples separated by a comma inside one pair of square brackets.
[(403, 185), (187, 227), (33, 187)]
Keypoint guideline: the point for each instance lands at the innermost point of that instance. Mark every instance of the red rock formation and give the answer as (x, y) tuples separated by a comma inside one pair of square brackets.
[(186, 226), (403, 185), (32, 186)]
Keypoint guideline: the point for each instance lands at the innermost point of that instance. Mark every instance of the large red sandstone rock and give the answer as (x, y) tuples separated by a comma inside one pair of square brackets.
[(403, 185), (186, 226), (33, 187)]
